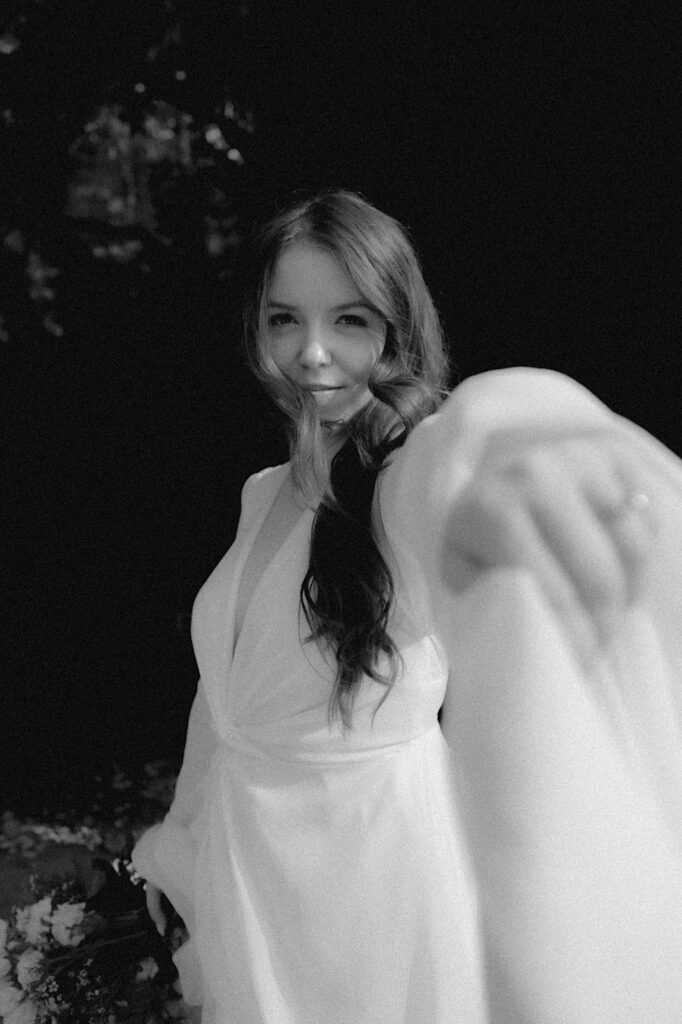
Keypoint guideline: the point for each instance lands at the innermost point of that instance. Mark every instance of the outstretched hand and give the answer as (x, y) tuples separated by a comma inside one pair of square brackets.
[(578, 512), (153, 897)]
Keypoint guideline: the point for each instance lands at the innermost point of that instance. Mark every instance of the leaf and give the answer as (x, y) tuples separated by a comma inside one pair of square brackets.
[(8, 43)]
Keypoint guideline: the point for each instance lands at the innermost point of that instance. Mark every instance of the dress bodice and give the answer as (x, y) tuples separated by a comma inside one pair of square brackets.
[(274, 686)]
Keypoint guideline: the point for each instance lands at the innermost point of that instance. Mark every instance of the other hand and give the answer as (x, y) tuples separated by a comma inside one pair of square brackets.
[(576, 511), (154, 907)]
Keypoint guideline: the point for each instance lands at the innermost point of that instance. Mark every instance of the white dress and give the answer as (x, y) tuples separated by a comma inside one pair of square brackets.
[(525, 870)]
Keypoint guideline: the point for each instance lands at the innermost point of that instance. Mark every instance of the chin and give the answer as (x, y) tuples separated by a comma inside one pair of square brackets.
[(342, 411), (334, 410)]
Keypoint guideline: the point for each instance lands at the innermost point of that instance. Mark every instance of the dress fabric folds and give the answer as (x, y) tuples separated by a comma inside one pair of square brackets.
[(518, 861)]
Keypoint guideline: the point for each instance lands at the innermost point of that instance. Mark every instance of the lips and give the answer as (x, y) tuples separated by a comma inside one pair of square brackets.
[(322, 387)]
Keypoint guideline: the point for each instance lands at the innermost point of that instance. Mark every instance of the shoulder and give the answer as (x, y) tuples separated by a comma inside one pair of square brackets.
[(261, 487), (266, 477), (258, 490)]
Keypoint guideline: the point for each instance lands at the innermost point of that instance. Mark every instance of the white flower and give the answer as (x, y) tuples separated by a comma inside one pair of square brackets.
[(65, 924), (33, 921), (10, 997), (28, 968), (5, 966), (25, 1013), (147, 969)]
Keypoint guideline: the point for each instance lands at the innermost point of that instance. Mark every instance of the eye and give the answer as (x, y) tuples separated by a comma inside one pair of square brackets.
[(280, 319), (353, 320)]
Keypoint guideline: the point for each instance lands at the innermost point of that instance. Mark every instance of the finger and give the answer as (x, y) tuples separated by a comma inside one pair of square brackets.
[(632, 526), (616, 484), (586, 552), (633, 535), (153, 900), (498, 532)]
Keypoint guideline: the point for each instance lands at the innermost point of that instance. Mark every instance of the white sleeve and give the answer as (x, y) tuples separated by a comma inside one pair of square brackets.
[(569, 782), (164, 854)]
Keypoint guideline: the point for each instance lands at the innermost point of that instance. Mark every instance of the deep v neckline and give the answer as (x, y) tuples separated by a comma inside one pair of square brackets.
[(246, 606)]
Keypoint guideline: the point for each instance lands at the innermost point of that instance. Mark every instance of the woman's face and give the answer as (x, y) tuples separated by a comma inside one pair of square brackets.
[(322, 333)]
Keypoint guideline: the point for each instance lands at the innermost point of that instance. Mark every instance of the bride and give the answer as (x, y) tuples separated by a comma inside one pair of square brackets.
[(433, 770)]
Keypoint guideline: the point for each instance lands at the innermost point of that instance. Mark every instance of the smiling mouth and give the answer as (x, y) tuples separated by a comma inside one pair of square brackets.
[(322, 387)]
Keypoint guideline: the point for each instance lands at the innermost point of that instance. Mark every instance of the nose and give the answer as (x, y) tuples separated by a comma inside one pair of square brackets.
[(314, 350)]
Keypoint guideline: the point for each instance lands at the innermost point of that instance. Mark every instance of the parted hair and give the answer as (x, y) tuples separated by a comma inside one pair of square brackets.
[(347, 593)]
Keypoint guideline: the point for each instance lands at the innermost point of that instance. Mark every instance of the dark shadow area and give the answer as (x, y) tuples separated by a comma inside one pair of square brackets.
[(532, 155)]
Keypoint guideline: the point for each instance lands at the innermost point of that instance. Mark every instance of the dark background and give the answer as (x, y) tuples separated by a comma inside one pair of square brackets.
[(531, 150)]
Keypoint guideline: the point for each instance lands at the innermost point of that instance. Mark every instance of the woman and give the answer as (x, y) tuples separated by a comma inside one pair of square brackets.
[(338, 853)]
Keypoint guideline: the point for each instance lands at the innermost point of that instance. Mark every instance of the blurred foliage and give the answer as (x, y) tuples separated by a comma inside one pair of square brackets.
[(126, 148), (73, 908), (122, 143)]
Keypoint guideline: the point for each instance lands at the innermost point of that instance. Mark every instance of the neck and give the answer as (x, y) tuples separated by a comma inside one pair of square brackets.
[(334, 436)]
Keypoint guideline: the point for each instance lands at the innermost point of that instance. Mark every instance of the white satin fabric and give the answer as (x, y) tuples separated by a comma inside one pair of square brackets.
[(521, 865)]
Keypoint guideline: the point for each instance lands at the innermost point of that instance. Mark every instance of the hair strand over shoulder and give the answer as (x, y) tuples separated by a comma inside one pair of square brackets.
[(348, 592)]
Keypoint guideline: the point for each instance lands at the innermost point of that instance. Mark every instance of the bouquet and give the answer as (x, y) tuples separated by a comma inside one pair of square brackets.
[(78, 946)]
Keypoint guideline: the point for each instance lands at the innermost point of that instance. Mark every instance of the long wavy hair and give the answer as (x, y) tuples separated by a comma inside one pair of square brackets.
[(347, 593)]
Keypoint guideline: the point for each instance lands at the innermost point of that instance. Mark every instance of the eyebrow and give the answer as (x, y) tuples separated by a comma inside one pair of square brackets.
[(360, 304)]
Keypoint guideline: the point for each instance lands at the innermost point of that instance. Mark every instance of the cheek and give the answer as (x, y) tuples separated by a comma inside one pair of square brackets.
[(279, 352), (369, 364), (370, 356)]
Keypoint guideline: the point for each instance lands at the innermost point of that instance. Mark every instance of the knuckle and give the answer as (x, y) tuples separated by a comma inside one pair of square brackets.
[(484, 531), (528, 474), (486, 508)]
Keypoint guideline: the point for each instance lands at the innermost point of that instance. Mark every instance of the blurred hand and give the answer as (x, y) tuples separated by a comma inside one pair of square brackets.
[(577, 512), (153, 897)]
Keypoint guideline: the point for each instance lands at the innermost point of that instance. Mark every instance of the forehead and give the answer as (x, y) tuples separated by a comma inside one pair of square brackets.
[(308, 273)]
